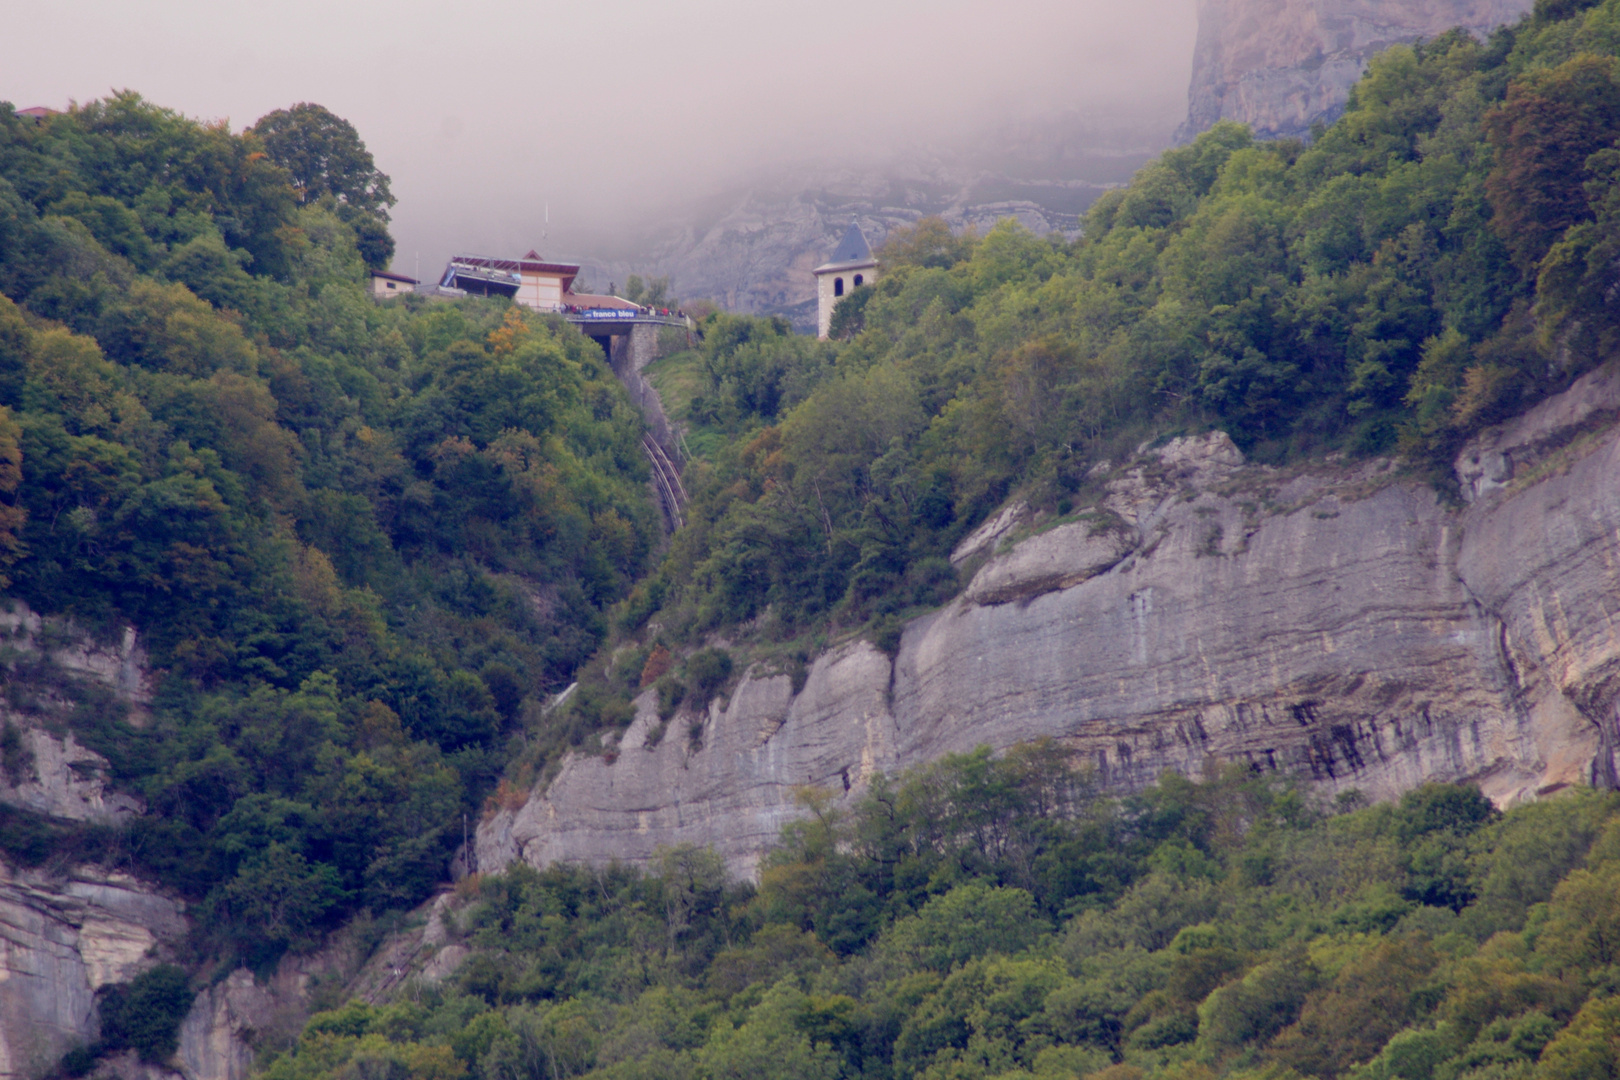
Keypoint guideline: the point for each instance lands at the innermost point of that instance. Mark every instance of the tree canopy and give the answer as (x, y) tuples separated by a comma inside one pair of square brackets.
[(327, 160), (361, 542), (325, 156), (993, 918)]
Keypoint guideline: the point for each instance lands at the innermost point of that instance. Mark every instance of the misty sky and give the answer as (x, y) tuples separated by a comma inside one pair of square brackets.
[(606, 110)]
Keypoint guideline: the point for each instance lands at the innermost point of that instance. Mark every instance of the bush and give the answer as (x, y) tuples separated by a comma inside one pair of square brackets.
[(78, 1061), (886, 633), (671, 692), (145, 1014), (706, 672)]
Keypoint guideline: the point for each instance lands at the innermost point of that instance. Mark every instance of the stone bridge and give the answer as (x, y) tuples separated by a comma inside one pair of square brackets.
[(631, 340)]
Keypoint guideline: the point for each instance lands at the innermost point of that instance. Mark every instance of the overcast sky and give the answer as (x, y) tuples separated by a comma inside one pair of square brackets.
[(486, 113)]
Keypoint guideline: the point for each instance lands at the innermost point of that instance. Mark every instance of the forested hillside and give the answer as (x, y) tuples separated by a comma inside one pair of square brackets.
[(361, 543), (365, 544), (1436, 260), (986, 918)]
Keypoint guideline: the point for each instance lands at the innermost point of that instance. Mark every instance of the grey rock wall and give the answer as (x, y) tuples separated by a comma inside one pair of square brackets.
[(47, 771), (1340, 624), (1280, 65), (62, 938), (65, 933)]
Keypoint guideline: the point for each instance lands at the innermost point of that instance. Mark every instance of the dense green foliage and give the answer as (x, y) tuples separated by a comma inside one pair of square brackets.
[(360, 542), (363, 542), (327, 162), (987, 918), (145, 1014), (1439, 257)]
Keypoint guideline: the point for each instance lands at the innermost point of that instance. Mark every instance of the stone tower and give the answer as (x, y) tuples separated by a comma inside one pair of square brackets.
[(851, 265)]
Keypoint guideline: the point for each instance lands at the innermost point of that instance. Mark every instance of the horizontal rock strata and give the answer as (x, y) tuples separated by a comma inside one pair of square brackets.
[(1339, 624), (61, 940)]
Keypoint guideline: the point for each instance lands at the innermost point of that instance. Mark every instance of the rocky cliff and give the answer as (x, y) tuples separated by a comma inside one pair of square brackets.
[(1281, 65), (62, 938), (1343, 624), (66, 932)]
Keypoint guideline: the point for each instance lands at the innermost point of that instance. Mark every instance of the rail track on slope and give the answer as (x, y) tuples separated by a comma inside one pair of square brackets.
[(667, 479)]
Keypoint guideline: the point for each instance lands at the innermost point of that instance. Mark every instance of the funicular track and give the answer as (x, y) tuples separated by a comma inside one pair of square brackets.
[(667, 478)]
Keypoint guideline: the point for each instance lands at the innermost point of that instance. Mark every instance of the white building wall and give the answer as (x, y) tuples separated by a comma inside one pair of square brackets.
[(542, 292), (382, 288)]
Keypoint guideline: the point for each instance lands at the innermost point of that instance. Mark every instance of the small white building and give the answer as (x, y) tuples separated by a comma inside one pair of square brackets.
[(850, 267), (386, 283)]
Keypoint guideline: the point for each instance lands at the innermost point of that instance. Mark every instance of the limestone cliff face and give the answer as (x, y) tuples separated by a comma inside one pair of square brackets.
[(67, 932), (62, 938), (1340, 624), (1280, 65), (45, 770)]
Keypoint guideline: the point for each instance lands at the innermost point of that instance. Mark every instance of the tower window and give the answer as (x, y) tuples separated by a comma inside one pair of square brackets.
[(859, 281), (838, 286)]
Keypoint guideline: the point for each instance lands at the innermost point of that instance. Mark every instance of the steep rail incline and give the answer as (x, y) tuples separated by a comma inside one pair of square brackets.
[(667, 479), (631, 345)]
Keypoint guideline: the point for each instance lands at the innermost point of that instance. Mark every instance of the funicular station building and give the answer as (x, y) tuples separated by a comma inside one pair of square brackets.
[(627, 332), (618, 325)]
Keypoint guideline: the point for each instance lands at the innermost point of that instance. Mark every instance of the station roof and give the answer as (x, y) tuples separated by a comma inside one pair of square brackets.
[(531, 263)]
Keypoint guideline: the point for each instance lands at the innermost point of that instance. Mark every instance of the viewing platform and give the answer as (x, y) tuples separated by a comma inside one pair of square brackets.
[(605, 316)]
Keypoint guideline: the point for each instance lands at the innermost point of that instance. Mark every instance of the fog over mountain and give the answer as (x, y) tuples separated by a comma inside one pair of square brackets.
[(751, 247), (630, 124)]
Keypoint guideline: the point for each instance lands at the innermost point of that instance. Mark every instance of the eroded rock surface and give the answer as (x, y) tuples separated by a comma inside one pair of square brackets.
[(61, 940), (67, 933), (1337, 623), (43, 768), (727, 778), (54, 775), (1057, 559), (1280, 65)]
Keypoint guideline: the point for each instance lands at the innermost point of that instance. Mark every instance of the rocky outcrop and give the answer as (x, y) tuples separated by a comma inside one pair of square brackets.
[(1524, 447), (1059, 559), (66, 935), (43, 768), (121, 666), (67, 932), (61, 940), (233, 1018), (725, 778), (1341, 624), (1281, 65), (52, 774)]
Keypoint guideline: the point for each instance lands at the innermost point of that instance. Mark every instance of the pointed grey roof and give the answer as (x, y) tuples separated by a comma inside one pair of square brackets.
[(853, 247)]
